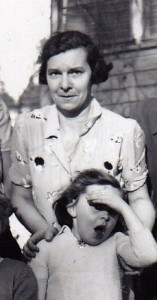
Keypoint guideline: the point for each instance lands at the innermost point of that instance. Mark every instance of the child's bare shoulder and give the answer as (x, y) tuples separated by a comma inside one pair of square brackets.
[(61, 240), (46, 246)]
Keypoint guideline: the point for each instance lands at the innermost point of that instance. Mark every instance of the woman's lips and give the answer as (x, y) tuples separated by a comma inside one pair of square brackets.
[(67, 96)]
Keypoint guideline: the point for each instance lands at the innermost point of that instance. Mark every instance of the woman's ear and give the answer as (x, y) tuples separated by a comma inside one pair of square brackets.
[(72, 211)]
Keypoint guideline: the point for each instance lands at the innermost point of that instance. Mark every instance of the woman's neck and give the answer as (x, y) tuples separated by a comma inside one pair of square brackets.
[(68, 120), (78, 113)]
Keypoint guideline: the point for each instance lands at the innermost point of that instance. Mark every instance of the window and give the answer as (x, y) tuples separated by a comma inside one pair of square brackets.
[(150, 18), (110, 22)]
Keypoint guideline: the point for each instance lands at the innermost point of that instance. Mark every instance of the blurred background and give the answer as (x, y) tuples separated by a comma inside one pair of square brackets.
[(124, 30)]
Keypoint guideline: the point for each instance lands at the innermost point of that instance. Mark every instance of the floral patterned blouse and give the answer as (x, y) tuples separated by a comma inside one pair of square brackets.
[(107, 141)]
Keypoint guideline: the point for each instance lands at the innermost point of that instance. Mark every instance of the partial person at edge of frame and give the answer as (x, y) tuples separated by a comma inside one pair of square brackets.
[(145, 113), (17, 281), (8, 244), (52, 143)]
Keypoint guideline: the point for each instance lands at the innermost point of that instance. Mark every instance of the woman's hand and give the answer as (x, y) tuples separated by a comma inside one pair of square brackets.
[(30, 248)]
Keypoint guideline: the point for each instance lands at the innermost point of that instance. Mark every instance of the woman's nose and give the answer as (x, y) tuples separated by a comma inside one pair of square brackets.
[(65, 83)]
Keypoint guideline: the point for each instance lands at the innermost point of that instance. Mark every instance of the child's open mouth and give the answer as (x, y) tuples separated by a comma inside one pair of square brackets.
[(100, 229)]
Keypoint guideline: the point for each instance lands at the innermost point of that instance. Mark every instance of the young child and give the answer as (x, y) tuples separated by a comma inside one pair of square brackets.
[(82, 260), (17, 280)]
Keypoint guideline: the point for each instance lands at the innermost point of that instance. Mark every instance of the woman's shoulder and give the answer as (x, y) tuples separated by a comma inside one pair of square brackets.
[(31, 118), (42, 113), (38, 113), (118, 121)]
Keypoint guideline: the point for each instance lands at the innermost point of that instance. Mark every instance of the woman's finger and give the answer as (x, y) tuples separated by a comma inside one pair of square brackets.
[(27, 253), (50, 232), (34, 239)]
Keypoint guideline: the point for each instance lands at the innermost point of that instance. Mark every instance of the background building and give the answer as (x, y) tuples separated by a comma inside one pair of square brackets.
[(126, 32)]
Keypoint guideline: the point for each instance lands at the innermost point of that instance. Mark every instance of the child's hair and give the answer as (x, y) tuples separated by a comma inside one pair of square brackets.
[(5, 211), (78, 186)]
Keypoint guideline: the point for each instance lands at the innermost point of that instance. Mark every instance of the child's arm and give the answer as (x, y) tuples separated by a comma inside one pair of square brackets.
[(139, 248), (39, 266)]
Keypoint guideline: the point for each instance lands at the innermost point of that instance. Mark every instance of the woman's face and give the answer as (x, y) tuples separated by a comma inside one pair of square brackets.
[(68, 78)]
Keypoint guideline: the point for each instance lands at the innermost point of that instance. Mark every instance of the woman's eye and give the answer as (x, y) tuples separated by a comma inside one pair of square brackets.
[(53, 73), (75, 72)]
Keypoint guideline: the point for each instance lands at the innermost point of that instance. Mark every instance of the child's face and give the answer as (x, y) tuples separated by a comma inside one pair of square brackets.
[(93, 223)]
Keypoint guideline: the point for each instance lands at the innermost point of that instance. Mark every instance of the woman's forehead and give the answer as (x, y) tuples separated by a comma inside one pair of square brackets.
[(72, 58)]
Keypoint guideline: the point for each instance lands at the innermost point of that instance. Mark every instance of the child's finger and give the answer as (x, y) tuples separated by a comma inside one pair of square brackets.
[(95, 196), (102, 195), (109, 199)]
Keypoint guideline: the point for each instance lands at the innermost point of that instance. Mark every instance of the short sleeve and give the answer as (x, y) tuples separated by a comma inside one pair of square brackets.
[(134, 169), (5, 127), (20, 169)]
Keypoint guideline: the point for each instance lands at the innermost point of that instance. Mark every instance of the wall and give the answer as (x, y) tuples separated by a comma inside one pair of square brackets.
[(133, 79)]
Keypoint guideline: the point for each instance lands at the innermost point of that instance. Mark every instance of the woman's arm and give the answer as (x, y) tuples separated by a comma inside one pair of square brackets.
[(25, 210), (22, 199), (142, 205), (29, 216), (134, 173)]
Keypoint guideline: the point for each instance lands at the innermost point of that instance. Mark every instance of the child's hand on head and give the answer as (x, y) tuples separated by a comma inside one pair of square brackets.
[(107, 196)]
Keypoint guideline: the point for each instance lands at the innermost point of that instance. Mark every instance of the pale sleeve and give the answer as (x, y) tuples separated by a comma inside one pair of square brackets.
[(133, 164), (138, 249), (5, 127), (40, 267), (20, 169)]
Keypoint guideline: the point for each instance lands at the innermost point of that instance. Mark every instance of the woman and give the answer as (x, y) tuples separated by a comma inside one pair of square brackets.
[(51, 144)]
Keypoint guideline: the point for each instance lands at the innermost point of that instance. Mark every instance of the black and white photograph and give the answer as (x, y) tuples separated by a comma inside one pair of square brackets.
[(78, 149)]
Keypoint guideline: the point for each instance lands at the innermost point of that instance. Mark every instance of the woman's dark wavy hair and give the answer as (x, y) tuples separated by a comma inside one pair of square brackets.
[(76, 188), (5, 211), (67, 40)]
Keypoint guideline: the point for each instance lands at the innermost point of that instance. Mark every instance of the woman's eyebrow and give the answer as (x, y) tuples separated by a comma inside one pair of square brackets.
[(53, 69), (76, 69)]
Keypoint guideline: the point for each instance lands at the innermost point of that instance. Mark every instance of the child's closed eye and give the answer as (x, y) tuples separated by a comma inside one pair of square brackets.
[(99, 206), (102, 207)]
